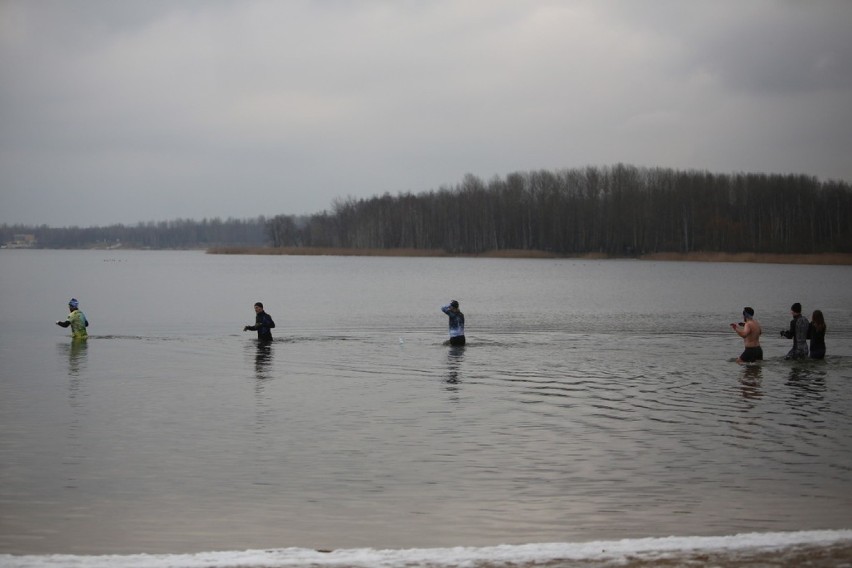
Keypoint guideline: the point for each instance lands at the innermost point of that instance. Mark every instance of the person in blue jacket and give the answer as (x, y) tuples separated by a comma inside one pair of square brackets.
[(456, 322), (262, 323)]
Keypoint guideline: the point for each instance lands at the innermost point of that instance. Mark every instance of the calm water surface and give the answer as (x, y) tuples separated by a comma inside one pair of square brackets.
[(595, 400)]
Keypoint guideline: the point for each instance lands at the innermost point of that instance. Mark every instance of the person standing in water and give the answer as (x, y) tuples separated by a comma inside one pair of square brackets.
[(262, 323), (798, 332), (76, 319), (456, 323), (816, 333), (749, 329)]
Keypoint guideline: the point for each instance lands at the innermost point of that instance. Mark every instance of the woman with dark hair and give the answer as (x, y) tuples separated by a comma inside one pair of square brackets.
[(816, 333)]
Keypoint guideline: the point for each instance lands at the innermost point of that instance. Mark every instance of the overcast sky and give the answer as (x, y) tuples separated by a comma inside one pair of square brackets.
[(120, 112)]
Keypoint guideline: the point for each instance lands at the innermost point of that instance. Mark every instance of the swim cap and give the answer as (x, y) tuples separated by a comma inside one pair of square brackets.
[(454, 304), (73, 303), (797, 307), (748, 312)]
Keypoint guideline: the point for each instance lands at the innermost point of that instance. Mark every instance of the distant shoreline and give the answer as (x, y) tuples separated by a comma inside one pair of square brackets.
[(765, 258)]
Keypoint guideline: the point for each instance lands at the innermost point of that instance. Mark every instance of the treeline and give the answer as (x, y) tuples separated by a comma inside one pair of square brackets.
[(618, 210), (176, 234)]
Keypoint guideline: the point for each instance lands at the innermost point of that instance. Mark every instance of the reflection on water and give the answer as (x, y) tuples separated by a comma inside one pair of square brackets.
[(263, 374), (455, 357), (76, 352), (750, 381), (263, 361), (807, 390)]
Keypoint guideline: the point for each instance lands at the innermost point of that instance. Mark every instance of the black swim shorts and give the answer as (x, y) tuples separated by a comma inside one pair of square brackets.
[(752, 354)]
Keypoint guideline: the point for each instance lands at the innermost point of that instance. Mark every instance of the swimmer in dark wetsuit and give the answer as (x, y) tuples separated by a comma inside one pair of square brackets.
[(262, 324), (750, 331), (798, 332)]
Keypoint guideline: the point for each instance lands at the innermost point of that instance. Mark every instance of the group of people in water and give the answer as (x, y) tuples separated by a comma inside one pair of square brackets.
[(800, 331), (263, 323)]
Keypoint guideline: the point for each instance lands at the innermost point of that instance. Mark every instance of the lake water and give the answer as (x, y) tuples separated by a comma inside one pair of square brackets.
[(595, 400)]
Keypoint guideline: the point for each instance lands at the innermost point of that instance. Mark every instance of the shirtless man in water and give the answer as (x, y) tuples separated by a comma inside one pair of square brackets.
[(750, 331)]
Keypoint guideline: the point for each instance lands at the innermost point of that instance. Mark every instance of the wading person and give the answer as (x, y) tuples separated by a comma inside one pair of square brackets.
[(456, 323), (749, 329), (262, 323), (798, 332), (76, 319), (816, 334)]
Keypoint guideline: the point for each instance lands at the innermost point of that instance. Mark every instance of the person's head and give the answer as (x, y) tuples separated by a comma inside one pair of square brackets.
[(796, 308), (748, 313), (73, 304), (454, 305), (258, 307), (818, 318)]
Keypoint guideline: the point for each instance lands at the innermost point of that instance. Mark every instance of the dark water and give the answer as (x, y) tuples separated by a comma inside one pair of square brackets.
[(595, 400)]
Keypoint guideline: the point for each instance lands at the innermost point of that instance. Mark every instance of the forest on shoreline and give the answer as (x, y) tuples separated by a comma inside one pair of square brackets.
[(762, 258), (176, 234), (617, 211)]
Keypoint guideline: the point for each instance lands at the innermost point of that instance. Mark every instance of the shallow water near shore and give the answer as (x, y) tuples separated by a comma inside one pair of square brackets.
[(596, 400)]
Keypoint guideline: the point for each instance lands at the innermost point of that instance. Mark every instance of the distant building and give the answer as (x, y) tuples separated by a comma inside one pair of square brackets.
[(22, 240)]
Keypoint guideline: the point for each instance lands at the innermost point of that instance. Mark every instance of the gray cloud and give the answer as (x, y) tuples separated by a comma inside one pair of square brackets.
[(129, 111)]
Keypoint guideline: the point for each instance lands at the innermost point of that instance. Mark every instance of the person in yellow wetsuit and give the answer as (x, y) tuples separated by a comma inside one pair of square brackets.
[(76, 319)]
